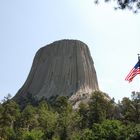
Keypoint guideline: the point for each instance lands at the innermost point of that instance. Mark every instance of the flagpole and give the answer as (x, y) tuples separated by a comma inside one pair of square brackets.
[(139, 59), (138, 56)]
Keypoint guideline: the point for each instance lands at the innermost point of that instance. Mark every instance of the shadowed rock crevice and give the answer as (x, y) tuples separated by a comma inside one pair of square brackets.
[(62, 68)]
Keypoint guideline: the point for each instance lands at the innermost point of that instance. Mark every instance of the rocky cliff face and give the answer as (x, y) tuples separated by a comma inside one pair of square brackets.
[(64, 67)]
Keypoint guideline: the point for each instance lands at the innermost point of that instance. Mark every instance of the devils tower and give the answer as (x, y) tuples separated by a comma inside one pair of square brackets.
[(62, 68)]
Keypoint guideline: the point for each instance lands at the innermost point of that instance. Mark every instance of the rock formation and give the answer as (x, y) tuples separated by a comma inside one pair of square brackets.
[(62, 68)]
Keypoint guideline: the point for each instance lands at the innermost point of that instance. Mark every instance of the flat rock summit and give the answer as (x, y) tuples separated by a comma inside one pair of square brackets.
[(62, 68)]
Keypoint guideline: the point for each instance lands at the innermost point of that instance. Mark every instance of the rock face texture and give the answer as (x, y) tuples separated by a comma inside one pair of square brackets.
[(62, 68)]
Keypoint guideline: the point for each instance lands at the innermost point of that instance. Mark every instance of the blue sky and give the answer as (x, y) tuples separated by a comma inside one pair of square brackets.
[(112, 36)]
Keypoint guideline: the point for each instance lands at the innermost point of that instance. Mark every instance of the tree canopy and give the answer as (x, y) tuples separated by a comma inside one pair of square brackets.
[(99, 119), (133, 5)]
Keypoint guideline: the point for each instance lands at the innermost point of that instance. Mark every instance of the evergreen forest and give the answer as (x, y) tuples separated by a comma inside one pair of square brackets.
[(55, 119)]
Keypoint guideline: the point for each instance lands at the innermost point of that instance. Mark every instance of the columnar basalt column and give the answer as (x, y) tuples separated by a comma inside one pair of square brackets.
[(62, 68)]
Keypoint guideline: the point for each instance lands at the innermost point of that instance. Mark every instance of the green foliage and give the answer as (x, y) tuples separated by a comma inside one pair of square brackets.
[(32, 135), (130, 109), (9, 113), (83, 113), (99, 119), (132, 131), (62, 105), (28, 119), (47, 120), (27, 100), (87, 134), (7, 133), (112, 128), (76, 135), (98, 108), (98, 131), (108, 130)]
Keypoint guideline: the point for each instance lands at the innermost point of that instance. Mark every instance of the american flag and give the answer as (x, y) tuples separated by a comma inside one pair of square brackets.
[(133, 72)]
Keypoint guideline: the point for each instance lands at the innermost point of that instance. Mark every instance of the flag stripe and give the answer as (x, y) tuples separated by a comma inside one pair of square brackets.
[(133, 72)]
